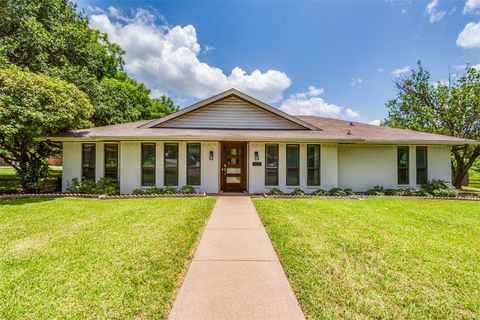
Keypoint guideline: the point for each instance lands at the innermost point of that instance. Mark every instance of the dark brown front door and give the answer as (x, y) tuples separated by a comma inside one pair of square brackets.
[(233, 167)]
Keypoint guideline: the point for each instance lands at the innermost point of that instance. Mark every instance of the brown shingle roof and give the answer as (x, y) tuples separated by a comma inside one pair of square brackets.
[(332, 130)]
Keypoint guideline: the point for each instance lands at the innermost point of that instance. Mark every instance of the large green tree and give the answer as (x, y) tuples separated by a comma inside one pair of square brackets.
[(52, 37), (33, 106), (450, 108)]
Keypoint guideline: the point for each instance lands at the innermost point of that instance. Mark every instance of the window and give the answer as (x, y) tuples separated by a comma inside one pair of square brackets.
[(313, 165), (193, 164), (88, 161), (111, 161), (171, 164), (271, 165), (148, 164), (402, 165), (293, 170), (421, 156)]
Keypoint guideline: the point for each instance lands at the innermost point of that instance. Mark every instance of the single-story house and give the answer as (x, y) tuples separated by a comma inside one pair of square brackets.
[(233, 142)]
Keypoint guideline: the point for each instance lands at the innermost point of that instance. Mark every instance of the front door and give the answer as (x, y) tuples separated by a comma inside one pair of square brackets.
[(233, 167)]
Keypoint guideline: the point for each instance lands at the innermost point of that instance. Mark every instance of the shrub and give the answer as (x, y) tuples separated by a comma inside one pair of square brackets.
[(170, 190), (376, 191), (139, 192), (102, 186), (349, 192), (187, 189), (297, 192), (320, 192), (410, 192), (394, 192), (440, 188), (337, 192), (154, 190), (276, 192), (421, 193)]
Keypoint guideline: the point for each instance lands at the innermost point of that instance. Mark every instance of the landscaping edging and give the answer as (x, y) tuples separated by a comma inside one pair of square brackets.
[(100, 196), (360, 197)]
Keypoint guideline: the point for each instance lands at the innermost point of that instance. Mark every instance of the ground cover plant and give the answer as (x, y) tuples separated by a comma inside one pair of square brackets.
[(379, 258), (89, 258)]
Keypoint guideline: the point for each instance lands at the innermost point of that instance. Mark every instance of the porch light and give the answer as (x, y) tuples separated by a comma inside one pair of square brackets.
[(210, 156), (256, 156)]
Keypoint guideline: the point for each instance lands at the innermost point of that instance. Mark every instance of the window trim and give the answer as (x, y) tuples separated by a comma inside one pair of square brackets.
[(199, 166), (426, 164), (165, 164), (105, 158), (287, 167), (94, 161), (407, 148), (142, 183), (319, 165), (276, 168)]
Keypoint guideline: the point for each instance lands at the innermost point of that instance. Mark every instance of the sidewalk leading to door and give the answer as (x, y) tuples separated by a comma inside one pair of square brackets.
[(235, 273)]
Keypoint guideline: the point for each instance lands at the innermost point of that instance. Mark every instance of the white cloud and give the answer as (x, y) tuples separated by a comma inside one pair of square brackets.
[(433, 13), (356, 81), (166, 59), (380, 70), (398, 72), (94, 9), (375, 122), (404, 11), (476, 66), (310, 103), (470, 36), (472, 6)]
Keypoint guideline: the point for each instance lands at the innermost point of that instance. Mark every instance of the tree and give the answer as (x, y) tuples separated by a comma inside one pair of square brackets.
[(33, 106), (451, 108)]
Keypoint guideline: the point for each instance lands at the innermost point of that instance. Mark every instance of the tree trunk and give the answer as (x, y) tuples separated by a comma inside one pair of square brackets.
[(459, 173)]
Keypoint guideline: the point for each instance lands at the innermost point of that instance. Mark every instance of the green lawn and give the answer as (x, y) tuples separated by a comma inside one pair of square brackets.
[(90, 258), (379, 258), (10, 183)]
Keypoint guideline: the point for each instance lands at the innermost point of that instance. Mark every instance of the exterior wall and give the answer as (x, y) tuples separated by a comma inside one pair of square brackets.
[(439, 163), (359, 167), (231, 113), (72, 162), (363, 167)]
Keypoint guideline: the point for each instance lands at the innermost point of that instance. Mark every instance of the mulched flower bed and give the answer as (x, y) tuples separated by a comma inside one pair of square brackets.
[(361, 197), (99, 196)]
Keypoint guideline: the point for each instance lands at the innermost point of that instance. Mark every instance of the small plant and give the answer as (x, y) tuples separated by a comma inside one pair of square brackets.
[(349, 192), (320, 192), (102, 186), (376, 191), (410, 192), (187, 189), (297, 192), (138, 192), (170, 190), (421, 193), (337, 192), (440, 188), (276, 192), (394, 192), (154, 190), (106, 186)]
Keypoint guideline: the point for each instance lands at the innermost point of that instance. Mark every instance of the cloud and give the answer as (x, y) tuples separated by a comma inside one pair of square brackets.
[(398, 72), (470, 36), (356, 81), (433, 13), (375, 122), (166, 59), (310, 103), (94, 9), (380, 70), (476, 66), (404, 11), (472, 6)]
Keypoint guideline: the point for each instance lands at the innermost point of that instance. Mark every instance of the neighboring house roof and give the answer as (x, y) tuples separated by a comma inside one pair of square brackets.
[(181, 126)]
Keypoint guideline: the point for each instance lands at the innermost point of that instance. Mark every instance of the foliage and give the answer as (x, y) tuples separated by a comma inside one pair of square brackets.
[(378, 258), (337, 192), (276, 192), (376, 191), (10, 181), (170, 190), (440, 188), (34, 106), (451, 108), (394, 192), (320, 192), (297, 192), (96, 259), (102, 186), (187, 189), (349, 192)]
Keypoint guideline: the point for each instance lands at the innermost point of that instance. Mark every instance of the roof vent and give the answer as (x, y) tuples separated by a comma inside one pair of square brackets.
[(349, 132), (352, 124)]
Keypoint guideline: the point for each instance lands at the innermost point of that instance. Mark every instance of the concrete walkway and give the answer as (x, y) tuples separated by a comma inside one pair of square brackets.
[(235, 273)]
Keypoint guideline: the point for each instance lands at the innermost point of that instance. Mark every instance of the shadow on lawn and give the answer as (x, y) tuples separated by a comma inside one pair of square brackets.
[(22, 201)]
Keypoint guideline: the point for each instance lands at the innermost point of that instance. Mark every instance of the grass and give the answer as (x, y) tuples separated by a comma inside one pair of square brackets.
[(10, 183), (379, 258), (90, 258)]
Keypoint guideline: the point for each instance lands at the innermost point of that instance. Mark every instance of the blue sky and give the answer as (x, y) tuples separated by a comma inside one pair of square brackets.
[(329, 58)]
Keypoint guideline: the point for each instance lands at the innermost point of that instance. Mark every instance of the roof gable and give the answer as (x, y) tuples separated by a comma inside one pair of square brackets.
[(231, 109)]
